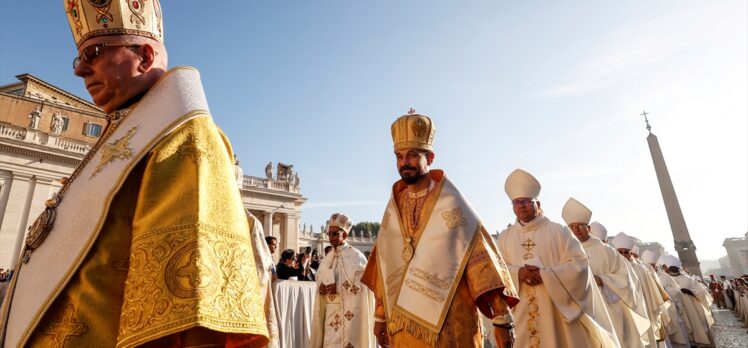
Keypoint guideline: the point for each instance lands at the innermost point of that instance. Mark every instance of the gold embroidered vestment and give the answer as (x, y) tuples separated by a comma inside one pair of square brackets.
[(173, 257), (483, 273)]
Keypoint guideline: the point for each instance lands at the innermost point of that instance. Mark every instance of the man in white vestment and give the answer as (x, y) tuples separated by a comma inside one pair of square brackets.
[(676, 330), (560, 304), (660, 334), (614, 277), (344, 308), (695, 304), (647, 286)]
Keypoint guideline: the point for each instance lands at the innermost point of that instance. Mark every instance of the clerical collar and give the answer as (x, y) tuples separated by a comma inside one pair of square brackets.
[(341, 246), (531, 222)]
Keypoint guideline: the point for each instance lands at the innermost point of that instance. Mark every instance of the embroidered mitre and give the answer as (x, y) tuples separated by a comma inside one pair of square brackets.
[(413, 131), (89, 18)]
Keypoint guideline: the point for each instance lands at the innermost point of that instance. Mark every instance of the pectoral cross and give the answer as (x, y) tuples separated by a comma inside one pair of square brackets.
[(529, 244)]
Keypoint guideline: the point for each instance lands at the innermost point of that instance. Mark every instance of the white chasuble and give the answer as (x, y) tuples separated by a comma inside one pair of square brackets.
[(344, 319), (676, 328), (699, 315), (566, 309), (654, 301), (625, 305)]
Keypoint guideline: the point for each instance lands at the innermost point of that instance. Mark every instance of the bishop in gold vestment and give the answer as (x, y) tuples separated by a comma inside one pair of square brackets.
[(482, 281), (157, 249)]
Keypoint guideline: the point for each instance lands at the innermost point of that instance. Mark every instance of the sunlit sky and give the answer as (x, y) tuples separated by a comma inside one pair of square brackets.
[(554, 88)]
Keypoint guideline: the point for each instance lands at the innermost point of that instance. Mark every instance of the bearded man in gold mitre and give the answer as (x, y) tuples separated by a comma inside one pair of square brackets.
[(434, 268), (146, 243)]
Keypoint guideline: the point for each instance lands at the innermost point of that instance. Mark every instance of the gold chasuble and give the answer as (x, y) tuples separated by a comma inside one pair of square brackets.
[(432, 260), (151, 245)]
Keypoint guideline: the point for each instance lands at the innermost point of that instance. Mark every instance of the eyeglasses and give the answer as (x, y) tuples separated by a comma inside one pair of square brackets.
[(523, 202), (91, 52), (578, 227), (333, 234)]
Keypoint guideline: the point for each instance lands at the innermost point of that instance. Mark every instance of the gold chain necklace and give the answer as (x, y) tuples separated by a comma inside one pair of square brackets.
[(41, 227)]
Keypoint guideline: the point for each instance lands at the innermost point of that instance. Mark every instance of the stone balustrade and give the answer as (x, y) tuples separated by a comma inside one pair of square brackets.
[(257, 182), (33, 136), (12, 132)]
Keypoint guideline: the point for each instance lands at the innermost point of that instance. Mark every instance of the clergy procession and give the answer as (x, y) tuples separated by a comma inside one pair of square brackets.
[(166, 255)]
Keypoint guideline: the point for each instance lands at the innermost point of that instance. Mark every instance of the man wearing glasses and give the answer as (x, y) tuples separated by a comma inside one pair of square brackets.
[(434, 265), (560, 304), (344, 309), (614, 276), (147, 242)]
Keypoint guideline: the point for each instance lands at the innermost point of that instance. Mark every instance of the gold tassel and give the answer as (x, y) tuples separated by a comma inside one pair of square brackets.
[(401, 322)]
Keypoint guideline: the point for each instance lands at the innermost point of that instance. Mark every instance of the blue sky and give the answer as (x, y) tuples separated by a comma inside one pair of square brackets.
[(552, 88)]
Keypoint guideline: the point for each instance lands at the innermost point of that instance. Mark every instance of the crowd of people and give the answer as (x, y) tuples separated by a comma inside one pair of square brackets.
[(165, 255), (731, 294)]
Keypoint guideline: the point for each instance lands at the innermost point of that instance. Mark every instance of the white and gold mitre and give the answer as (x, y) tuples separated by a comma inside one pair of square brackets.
[(413, 131), (341, 221), (89, 18)]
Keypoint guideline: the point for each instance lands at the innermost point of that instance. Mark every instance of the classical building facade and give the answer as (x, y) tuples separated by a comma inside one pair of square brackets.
[(737, 255), (44, 134)]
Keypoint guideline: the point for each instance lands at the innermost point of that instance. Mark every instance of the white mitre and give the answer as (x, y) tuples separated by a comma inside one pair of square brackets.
[(576, 212), (622, 241), (599, 231), (635, 250), (662, 259), (672, 261), (649, 256), (521, 184)]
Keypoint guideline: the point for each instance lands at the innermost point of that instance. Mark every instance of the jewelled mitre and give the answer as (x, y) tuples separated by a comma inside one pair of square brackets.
[(413, 131), (89, 18), (341, 221)]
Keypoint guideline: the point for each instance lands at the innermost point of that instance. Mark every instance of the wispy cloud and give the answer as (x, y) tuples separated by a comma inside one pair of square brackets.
[(636, 47)]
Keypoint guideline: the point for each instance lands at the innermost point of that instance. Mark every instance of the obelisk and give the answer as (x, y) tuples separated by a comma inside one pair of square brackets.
[(682, 239)]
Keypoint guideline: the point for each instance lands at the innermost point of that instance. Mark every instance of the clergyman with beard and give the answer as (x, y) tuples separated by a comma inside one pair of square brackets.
[(427, 301)]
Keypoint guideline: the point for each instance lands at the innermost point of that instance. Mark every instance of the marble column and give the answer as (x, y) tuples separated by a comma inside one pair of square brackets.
[(267, 223), (6, 179), (16, 217), (291, 232)]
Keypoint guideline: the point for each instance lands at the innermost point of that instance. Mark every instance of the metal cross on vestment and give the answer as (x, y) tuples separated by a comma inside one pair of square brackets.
[(529, 244)]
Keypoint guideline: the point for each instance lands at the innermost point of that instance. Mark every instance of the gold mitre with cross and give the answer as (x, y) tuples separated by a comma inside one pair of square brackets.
[(413, 131), (90, 18), (341, 221)]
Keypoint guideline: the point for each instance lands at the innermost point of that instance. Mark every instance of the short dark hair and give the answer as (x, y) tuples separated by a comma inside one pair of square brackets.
[(287, 254), (268, 239)]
